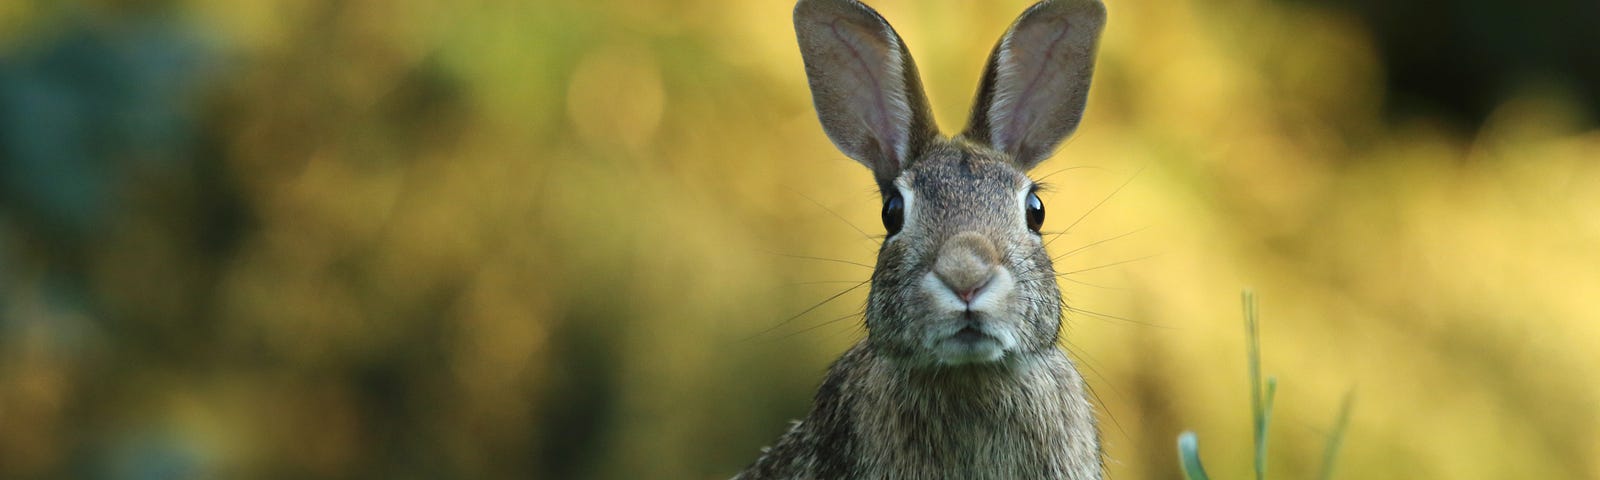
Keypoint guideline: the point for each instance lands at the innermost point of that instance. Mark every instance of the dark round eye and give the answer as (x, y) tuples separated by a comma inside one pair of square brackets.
[(1035, 212), (894, 213)]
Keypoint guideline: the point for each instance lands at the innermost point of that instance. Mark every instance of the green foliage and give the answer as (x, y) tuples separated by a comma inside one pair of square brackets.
[(1261, 397), (1189, 457)]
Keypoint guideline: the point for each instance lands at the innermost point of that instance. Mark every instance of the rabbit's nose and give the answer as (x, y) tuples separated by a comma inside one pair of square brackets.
[(966, 264)]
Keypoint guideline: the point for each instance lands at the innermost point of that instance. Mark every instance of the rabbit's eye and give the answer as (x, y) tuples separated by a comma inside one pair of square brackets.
[(1035, 212), (894, 213)]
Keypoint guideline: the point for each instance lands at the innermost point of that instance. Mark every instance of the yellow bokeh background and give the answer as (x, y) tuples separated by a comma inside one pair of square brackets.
[(584, 239)]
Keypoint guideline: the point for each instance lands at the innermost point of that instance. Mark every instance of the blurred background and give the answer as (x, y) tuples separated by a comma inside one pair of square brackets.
[(607, 239)]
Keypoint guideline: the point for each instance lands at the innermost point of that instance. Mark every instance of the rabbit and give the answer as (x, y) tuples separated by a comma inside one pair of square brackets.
[(959, 375)]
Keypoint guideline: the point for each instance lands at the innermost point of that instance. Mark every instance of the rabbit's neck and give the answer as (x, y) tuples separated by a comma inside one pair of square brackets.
[(876, 418), (1025, 418)]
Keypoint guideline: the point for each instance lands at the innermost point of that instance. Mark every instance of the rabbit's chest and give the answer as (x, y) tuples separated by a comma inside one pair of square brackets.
[(981, 454), (1022, 441)]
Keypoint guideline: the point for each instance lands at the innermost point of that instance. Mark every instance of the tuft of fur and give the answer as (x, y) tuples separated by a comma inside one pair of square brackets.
[(960, 376)]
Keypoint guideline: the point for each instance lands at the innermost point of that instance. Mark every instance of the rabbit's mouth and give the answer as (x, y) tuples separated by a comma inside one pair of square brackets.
[(969, 335), (971, 339)]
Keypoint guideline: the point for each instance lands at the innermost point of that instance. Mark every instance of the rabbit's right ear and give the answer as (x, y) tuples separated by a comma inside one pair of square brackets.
[(864, 84)]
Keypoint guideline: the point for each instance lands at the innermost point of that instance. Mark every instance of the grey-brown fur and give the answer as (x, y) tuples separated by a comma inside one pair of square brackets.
[(960, 375)]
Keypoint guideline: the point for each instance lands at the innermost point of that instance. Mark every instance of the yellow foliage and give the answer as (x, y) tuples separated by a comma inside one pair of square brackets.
[(571, 237)]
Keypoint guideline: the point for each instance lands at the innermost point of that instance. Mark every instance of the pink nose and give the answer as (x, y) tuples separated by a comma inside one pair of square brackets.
[(966, 295), (966, 263)]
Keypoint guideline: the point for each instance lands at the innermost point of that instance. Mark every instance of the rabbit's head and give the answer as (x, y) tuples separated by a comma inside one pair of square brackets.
[(962, 277)]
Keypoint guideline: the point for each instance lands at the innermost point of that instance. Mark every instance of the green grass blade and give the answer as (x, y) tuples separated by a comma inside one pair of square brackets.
[(1189, 457), (1258, 411), (1263, 396), (1263, 424), (1336, 439)]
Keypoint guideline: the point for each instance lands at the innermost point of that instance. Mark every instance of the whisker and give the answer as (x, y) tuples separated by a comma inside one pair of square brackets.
[(1097, 242), (821, 282), (857, 313), (808, 310), (1074, 167), (1107, 316), (860, 328), (1089, 362), (1104, 407), (792, 286), (822, 259), (840, 217), (1097, 205), (1087, 284), (1112, 264)]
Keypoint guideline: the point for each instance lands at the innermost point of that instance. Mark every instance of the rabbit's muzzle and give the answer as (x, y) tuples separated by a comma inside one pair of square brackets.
[(969, 291)]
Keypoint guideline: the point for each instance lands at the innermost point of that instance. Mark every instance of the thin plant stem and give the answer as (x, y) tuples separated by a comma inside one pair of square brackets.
[(1258, 405), (1336, 439)]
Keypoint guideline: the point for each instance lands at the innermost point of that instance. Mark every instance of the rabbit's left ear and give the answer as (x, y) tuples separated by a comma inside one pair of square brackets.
[(1036, 83)]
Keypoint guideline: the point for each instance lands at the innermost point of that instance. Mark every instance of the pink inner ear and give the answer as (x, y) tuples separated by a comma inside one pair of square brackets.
[(1025, 77), (873, 94), (872, 71)]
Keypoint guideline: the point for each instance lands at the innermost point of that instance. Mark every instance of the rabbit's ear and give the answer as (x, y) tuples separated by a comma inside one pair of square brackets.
[(1037, 80), (864, 84)]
